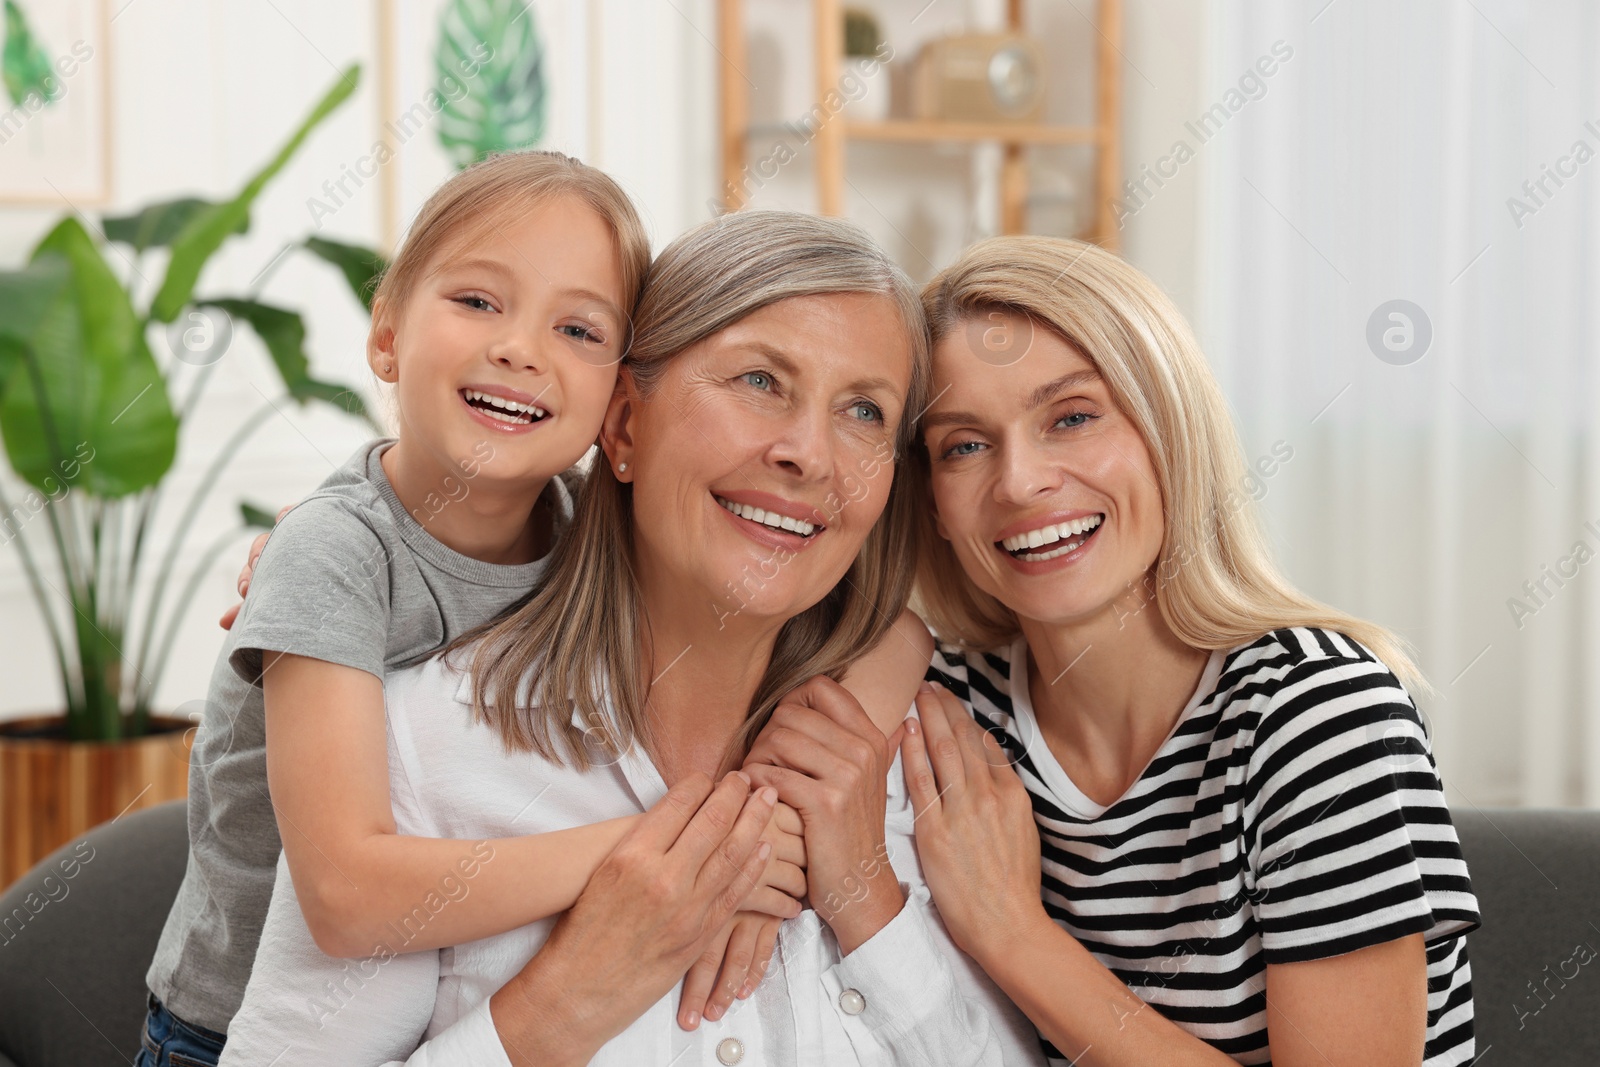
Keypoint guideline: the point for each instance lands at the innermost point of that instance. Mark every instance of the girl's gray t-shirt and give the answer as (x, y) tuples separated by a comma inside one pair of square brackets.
[(348, 577)]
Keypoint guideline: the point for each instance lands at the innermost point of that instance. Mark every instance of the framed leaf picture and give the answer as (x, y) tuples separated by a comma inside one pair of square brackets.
[(55, 137), (461, 79)]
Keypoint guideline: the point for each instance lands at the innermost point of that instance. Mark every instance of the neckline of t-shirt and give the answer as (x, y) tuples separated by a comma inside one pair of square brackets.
[(442, 555), (1067, 794)]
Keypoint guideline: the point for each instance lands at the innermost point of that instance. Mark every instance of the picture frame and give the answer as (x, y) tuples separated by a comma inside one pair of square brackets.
[(55, 106), (409, 33)]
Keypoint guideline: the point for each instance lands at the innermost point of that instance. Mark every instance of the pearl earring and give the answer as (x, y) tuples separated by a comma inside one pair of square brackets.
[(621, 467)]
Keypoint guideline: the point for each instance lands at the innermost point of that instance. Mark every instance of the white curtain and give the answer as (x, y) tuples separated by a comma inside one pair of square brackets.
[(1446, 154)]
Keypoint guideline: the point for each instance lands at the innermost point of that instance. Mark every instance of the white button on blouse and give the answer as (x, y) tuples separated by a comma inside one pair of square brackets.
[(730, 1051), (851, 1002)]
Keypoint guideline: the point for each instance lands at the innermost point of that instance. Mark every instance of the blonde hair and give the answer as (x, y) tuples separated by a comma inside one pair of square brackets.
[(478, 200), (1215, 582), (581, 634)]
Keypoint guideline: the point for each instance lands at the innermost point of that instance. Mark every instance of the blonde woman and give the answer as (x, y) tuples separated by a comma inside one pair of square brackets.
[(745, 533), (1200, 822)]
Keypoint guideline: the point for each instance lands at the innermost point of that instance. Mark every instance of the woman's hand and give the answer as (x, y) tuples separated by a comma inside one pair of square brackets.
[(649, 911), (742, 952), (830, 763), (975, 831), (228, 617)]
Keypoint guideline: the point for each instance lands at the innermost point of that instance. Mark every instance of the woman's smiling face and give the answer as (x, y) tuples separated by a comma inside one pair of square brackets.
[(765, 453), (1043, 487)]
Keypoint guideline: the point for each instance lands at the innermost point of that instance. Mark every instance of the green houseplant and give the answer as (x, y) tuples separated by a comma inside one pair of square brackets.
[(90, 423)]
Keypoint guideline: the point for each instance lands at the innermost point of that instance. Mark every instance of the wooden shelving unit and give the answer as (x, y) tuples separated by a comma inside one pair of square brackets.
[(831, 139)]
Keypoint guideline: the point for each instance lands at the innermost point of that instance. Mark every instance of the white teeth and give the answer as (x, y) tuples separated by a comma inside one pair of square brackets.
[(533, 411), (1054, 552), (767, 518), (1048, 535)]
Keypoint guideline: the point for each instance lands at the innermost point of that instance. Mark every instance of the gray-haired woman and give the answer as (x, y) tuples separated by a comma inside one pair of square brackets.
[(746, 532)]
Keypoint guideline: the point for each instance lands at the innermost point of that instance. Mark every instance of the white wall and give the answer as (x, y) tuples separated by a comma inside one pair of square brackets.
[(203, 92)]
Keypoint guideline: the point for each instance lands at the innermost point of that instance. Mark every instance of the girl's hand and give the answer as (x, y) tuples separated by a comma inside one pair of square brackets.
[(783, 885), (975, 831), (228, 617), (742, 952), (830, 763)]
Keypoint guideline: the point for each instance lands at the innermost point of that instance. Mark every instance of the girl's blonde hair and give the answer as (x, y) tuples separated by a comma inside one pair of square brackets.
[(1215, 582), (484, 197), (581, 636)]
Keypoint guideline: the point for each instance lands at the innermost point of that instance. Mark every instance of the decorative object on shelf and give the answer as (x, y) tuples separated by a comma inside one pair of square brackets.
[(90, 424), (1004, 76), (979, 77), (493, 94), (864, 81)]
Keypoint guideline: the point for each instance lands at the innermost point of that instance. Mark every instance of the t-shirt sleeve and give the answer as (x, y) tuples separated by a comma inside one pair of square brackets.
[(1353, 844), (320, 590)]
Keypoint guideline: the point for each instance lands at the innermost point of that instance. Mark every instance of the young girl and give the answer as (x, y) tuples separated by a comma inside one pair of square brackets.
[(500, 324), (1242, 826)]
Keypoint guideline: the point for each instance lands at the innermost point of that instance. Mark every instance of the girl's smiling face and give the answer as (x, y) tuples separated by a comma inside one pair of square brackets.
[(1043, 487), (505, 353)]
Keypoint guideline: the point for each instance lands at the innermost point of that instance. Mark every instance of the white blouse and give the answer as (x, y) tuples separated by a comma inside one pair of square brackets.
[(907, 996)]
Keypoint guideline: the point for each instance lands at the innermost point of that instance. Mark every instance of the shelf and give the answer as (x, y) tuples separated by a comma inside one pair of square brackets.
[(1021, 133), (829, 141)]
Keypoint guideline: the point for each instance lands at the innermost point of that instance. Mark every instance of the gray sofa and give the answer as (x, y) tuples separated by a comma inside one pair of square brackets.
[(72, 973)]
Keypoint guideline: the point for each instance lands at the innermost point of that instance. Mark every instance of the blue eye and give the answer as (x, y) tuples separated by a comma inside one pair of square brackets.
[(1082, 418), (582, 333), (758, 378), (963, 448), (473, 302), (873, 412)]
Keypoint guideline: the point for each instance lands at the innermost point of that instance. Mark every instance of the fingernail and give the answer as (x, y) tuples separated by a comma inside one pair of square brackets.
[(745, 992), (769, 795), (764, 850), (913, 727), (745, 777), (925, 687), (692, 1021)]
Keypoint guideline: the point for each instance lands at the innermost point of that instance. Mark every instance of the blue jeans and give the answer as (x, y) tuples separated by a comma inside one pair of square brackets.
[(168, 1041)]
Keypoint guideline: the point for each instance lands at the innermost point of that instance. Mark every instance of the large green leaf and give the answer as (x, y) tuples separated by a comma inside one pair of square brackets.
[(156, 225), (362, 267), (24, 63), (83, 399), (26, 296), (284, 333), (490, 70), (204, 233)]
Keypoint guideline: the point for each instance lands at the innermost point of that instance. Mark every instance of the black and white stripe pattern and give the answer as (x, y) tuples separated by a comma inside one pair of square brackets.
[(1294, 813)]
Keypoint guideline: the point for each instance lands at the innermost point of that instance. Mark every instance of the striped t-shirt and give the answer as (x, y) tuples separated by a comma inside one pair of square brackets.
[(1294, 813)]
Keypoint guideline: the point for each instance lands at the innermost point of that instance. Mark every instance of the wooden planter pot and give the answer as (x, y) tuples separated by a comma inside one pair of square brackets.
[(52, 790)]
